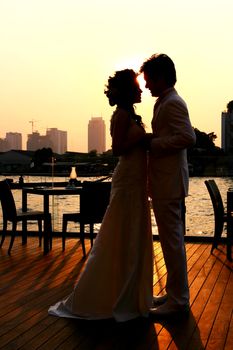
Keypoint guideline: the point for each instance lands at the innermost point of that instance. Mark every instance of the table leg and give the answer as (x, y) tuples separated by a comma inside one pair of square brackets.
[(229, 234), (229, 224), (47, 225), (24, 222)]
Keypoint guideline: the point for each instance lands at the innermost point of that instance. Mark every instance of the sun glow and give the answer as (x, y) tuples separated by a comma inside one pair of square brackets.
[(142, 82), (130, 63), (135, 64)]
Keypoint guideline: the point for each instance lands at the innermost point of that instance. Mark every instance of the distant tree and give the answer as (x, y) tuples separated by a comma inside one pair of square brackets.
[(212, 137), (205, 144), (230, 107), (205, 141)]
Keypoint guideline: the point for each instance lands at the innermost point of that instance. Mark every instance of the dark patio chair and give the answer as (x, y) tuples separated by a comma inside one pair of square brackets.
[(11, 214), (94, 199), (220, 215)]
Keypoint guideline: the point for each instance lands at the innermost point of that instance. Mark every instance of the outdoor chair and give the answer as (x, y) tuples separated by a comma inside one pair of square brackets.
[(11, 214), (220, 216), (94, 199)]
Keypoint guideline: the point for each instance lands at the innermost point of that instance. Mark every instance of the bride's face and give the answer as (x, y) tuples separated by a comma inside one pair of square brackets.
[(138, 93)]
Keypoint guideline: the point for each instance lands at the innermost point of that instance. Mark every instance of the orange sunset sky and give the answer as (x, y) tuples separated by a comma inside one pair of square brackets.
[(56, 56)]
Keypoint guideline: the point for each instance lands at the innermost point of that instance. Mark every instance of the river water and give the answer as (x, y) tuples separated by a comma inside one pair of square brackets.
[(199, 211)]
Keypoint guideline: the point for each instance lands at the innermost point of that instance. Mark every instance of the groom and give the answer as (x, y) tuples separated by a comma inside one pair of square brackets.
[(168, 179)]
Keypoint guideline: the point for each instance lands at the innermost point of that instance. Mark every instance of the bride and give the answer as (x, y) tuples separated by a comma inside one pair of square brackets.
[(117, 281)]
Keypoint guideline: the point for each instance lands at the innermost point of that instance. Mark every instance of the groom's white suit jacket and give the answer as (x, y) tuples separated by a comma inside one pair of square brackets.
[(173, 134)]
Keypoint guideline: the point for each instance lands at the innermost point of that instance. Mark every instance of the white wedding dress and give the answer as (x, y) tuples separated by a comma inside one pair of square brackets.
[(117, 281)]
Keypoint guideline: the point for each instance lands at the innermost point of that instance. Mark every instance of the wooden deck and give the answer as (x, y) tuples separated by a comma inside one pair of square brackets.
[(31, 282)]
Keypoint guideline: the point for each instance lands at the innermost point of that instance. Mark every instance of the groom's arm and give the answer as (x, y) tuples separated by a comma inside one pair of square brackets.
[(177, 132)]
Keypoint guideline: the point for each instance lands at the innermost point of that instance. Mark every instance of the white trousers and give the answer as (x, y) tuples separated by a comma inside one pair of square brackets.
[(171, 234)]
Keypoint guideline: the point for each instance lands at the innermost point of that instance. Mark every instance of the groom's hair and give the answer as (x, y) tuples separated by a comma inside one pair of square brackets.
[(160, 66)]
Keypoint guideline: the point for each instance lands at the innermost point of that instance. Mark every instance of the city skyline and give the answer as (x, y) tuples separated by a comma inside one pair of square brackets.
[(56, 139), (56, 57)]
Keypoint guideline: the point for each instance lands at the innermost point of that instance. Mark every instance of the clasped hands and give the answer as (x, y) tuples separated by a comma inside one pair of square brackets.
[(146, 140)]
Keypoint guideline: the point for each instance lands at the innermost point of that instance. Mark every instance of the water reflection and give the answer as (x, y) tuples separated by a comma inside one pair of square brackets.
[(199, 212)]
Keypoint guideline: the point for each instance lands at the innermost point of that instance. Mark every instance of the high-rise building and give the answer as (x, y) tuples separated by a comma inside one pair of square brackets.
[(54, 138), (14, 140), (36, 141), (96, 135), (58, 139), (227, 128), (3, 145)]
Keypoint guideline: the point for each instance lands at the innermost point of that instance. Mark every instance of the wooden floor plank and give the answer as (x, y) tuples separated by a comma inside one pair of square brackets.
[(229, 340), (220, 329), (30, 282), (181, 331), (207, 301)]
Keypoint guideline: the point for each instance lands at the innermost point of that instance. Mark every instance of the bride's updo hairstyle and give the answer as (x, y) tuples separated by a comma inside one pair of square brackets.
[(122, 88)]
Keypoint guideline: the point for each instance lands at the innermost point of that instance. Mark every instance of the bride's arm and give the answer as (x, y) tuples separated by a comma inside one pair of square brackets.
[(124, 136)]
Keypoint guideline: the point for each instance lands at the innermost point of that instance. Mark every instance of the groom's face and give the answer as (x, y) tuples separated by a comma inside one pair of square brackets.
[(154, 85)]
